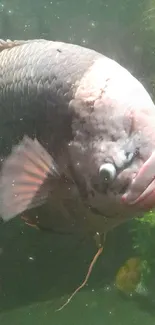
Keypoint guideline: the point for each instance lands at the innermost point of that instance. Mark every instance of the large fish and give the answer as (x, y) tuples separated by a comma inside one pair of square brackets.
[(77, 137)]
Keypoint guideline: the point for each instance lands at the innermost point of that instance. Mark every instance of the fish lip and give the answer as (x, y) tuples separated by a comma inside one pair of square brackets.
[(141, 191)]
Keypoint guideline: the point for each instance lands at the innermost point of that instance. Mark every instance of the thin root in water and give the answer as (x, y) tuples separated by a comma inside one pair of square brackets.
[(99, 252)]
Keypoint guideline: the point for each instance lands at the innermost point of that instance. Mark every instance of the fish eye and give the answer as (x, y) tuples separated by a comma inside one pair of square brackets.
[(107, 172)]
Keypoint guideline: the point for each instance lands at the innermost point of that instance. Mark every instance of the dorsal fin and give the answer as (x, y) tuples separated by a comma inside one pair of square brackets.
[(9, 44)]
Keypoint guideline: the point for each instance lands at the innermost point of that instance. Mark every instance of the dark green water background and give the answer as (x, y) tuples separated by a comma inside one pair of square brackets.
[(39, 270)]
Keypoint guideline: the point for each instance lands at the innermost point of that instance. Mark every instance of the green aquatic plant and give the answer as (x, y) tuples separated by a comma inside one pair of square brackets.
[(143, 236)]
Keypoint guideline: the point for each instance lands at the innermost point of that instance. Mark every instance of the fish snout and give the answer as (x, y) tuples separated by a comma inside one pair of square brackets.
[(141, 191)]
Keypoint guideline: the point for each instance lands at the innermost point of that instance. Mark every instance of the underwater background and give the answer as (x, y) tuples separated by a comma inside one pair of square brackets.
[(39, 270)]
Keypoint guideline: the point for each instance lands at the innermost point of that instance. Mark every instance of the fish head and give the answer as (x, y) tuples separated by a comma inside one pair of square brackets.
[(113, 149)]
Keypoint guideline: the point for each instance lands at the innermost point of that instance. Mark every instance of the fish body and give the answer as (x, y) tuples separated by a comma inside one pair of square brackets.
[(90, 133)]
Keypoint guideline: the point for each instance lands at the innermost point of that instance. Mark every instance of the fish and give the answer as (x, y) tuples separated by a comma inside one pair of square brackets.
[(77, 138), (129, 275)]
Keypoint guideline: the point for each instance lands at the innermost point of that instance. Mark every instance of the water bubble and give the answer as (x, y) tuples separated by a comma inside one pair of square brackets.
[(84, 41), (107, 288), (10, 12), (26, 27), (1, 7), (71, 39), (111, 312), (93, 24)]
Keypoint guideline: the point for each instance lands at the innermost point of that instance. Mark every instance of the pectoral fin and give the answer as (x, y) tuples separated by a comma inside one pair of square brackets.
[(24, 178)]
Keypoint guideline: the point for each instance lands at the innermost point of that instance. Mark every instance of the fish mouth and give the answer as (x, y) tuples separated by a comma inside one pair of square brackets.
[(141, 191)]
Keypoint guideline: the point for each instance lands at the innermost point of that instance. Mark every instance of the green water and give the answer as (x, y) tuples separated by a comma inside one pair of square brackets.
[(39, 270)]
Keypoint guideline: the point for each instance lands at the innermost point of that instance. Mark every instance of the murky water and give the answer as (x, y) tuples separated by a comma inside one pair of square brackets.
[(39, 270)]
